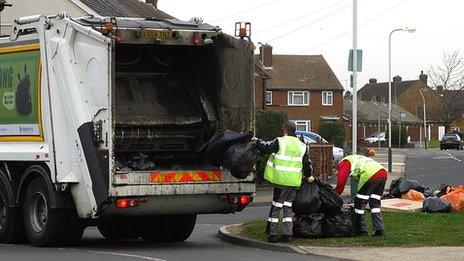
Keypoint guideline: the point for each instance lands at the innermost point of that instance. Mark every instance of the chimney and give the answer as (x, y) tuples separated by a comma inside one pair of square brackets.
[(265, 54), (152, 2), (372, 80), (397, 78), (423, 77), (440, 90)]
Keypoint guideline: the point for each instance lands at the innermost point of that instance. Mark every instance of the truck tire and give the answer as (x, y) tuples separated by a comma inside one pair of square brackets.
[(184, 228), (157, 229), (169, 228), (44, 226), (119, 228), (11, 223)]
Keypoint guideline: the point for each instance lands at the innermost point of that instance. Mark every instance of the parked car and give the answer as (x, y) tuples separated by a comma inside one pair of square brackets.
[(375, 137), (311, 137), (450, 141)]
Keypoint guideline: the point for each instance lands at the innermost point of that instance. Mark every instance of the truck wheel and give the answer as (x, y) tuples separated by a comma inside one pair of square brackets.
[(157, 229), (118, 228), (184, 228), (44, 226), (169, 228), (11, 225)]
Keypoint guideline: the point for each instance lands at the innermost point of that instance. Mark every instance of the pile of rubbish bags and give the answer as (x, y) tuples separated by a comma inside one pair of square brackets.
[(444, 198), (318, 211), (233, 150)]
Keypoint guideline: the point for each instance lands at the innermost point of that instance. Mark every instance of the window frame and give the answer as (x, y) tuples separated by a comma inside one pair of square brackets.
[(265, 98), (328, 93), (301, 122), (291, 94)]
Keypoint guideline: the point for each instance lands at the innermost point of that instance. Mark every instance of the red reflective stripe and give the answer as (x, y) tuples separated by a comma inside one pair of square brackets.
[(184, 177)]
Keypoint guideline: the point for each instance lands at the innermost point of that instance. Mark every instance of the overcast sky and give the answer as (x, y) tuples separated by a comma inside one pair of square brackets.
[(325, 27)]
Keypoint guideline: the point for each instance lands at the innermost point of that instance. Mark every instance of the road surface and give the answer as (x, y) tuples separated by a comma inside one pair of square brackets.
[(202, 245), (435, 166)]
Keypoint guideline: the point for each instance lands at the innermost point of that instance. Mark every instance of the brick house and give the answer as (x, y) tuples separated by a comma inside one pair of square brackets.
[(406, 94), (373, 117), (302, 86)]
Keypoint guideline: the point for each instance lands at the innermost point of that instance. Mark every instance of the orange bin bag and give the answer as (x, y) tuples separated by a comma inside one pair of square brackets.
[(456, 199), (413, 195)]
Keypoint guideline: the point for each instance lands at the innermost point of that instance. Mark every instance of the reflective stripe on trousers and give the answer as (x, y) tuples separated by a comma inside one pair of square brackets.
[(282, 201)]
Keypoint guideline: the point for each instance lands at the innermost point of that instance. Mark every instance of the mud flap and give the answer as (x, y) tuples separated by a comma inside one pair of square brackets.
[(97, 163)]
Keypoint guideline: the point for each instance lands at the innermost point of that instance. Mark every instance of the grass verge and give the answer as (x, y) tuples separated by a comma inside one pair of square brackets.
[(433, 144), (403, 230)]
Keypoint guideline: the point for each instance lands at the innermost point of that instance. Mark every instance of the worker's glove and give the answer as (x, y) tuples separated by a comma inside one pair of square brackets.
[(310, 179)]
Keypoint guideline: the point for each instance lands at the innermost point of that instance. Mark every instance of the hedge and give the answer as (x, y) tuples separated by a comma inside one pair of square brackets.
[(333, 132), (268, 127)]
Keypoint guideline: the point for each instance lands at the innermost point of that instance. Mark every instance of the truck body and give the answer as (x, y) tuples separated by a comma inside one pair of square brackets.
[(107, 119)]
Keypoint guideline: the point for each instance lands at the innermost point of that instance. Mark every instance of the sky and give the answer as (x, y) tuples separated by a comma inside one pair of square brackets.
[(325, 27)]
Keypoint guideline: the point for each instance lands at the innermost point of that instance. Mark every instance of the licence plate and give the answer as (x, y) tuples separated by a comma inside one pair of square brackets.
[(151, 34)]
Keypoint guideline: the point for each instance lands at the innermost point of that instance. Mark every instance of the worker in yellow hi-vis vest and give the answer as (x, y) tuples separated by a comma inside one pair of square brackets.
[(288, 162), (371, 177)]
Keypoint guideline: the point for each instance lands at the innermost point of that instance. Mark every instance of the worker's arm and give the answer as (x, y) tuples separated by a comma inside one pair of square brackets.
[(344, 170), (267, 147)]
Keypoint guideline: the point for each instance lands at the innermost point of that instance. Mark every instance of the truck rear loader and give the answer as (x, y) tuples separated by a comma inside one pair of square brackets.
[(104, 122)]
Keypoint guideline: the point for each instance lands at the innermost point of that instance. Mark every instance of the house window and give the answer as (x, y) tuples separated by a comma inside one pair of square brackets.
[(268, 97), (300, 98), (327, 98), (303, 125)]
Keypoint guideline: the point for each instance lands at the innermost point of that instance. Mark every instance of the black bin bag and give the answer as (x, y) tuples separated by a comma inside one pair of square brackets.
[(331, 203), (309, 226), (436, 204), (402, 185), (307, 199), (338, 225), (240, 159), (221, 141)]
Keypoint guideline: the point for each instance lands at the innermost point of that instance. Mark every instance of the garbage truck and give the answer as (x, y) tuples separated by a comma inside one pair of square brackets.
[(104, 122)]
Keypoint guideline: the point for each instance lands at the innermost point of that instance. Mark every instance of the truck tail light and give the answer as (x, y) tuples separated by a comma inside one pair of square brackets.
[(244, 200), (197, 39), (127, 202)]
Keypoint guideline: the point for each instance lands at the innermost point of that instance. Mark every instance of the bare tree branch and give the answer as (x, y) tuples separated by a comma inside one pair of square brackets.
[(450, 76)]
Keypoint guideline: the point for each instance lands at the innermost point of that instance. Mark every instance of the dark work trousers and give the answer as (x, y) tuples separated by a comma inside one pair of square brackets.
[(282, 200), (371, 191)]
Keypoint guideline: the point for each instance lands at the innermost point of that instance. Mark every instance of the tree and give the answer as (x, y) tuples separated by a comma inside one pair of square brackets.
[(450, 76)]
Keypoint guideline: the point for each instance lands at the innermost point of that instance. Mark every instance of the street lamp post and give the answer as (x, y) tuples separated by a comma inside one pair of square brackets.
[(389, 94), (425, 120)]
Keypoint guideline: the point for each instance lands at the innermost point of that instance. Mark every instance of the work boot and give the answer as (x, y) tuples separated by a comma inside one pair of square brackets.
[(286, 239), (361, 234), (273, 239), (379, 233)]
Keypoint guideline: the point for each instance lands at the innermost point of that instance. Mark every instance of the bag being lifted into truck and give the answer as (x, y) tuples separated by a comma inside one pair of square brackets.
[(221, 142), (241, 158)]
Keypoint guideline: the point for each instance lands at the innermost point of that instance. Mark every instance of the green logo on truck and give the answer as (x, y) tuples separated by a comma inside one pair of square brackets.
[(19, 92)]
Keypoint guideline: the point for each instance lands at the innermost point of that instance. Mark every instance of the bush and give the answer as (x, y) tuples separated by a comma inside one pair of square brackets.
[(268, 127), (395, 135), (333, 132)]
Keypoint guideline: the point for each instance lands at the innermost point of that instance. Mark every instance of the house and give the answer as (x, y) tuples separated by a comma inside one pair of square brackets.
[(79, 8), (373, 117), (407, 95), (455, 100), (302, 86)]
